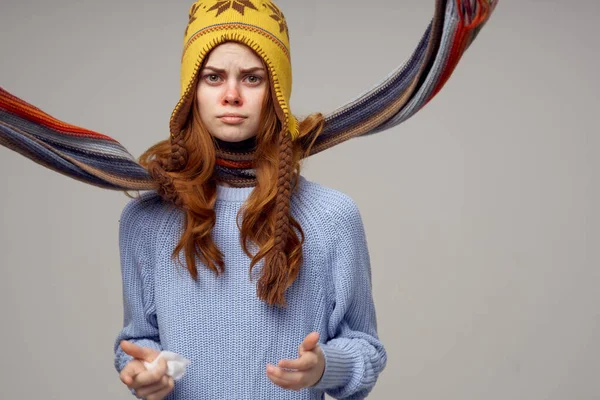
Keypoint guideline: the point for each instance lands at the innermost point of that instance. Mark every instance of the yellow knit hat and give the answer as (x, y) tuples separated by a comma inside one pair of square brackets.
[(259, 24)]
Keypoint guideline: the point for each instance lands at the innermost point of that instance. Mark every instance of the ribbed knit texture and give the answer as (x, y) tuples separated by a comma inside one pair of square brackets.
[(219, 323)]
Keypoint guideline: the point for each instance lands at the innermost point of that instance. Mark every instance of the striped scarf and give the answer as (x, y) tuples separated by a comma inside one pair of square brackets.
[(100, 160)]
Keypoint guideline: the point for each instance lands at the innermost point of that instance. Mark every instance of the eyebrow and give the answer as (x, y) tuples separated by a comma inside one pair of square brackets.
[(242, 70)]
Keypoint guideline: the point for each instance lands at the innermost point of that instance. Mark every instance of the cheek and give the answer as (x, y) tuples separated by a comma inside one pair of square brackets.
[(204, 105), (257, 101)]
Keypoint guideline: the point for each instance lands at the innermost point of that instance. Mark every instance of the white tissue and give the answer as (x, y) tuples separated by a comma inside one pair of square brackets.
[(175, 364)]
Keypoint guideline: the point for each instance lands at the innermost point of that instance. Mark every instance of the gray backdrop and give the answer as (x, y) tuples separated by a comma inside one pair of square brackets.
[(478, 210)]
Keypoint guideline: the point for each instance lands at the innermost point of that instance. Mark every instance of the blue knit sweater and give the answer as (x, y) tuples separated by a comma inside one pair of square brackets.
[(219, 323)]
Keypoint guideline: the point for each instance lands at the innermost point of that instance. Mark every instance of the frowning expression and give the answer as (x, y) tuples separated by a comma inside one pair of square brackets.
[(230, 92)]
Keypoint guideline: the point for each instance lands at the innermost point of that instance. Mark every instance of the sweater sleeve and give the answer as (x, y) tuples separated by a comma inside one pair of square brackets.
[(139, 313), (354, 356)]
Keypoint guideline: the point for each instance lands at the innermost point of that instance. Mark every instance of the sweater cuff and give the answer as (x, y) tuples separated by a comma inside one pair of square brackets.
[(123, 358), (338, 368)]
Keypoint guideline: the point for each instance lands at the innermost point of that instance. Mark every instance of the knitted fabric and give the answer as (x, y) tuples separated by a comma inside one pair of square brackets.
[(235, 162), (219, 324), (100, 160), (260, 25)]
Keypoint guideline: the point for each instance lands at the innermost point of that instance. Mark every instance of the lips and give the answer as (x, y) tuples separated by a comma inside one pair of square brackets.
[(231, 114), (232, 119)]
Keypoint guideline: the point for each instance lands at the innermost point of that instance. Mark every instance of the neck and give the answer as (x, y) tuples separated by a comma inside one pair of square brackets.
[(243, 146), (234, 164)]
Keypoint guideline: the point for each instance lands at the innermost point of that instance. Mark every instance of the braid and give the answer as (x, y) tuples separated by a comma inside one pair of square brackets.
[(276, 277), (166, 187), (282, 206), (179, 156), (159, 169)]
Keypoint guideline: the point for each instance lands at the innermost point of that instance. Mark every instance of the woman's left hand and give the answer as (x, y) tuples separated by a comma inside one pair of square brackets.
[(307, 368)]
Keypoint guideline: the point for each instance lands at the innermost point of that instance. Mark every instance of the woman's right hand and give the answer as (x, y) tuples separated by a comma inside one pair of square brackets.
[(149, 385)]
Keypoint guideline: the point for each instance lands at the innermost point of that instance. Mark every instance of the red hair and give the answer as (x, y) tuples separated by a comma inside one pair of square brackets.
[(193, 188)]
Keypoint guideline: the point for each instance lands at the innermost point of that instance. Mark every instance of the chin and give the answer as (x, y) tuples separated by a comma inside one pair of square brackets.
[(233, 137), (236, 139)]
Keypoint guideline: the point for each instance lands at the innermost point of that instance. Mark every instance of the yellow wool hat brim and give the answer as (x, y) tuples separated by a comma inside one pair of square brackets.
[(260, 25)]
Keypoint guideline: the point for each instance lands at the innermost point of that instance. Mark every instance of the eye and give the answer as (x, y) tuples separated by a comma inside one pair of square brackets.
[(254, 79), (208, 78)]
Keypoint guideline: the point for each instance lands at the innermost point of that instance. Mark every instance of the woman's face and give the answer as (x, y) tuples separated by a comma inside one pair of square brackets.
[(232, 81)]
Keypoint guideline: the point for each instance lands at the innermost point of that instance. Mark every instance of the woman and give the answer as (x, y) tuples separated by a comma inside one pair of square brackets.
[(273, 292), (227, 198)]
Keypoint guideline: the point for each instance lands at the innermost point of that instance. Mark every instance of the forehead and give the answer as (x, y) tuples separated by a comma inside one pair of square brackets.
[(229, 52)]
